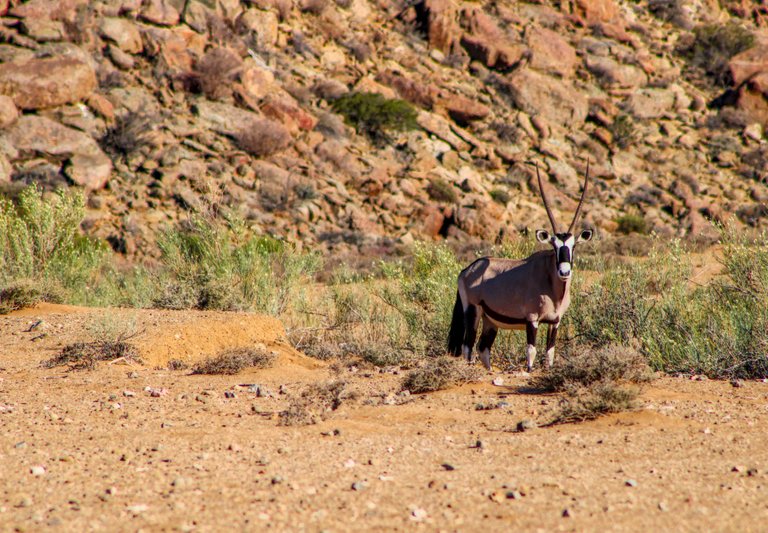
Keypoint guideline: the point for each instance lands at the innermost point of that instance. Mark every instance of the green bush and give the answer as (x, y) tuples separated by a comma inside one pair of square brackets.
[(374, 115), (442, 191), (624, 131), (211, 263), (500, 196), (41, 245), (714, 45), (632, 223)]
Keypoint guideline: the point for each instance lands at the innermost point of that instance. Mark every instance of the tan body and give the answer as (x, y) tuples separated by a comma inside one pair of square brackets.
[(527, 290)]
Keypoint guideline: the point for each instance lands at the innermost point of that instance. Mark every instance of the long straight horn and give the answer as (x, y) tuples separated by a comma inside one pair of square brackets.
[(546, 204), (581, 201)]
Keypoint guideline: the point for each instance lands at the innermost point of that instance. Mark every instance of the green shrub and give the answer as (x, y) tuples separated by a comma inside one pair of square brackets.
[(212, 263), (714, 45), (500, 196), (624, 131), (41, 245), (374, 115), (632, 223), (442, 191)]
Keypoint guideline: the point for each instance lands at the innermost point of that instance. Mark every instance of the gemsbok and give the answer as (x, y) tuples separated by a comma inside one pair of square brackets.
[(517, 294)]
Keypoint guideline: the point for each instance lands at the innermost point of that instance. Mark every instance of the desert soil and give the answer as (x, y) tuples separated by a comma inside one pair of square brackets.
[(93, 450)]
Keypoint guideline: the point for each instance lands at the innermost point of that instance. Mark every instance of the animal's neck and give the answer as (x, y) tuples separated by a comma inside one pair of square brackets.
[(562, 289)]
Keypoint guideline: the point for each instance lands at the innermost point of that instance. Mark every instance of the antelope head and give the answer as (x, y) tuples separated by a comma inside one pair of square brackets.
[(563, 243)]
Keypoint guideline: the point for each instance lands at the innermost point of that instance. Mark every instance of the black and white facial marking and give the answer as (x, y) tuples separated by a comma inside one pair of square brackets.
[(563, 243)]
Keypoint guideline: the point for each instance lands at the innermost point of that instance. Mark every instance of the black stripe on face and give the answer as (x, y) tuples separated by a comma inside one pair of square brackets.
[(564, 254)]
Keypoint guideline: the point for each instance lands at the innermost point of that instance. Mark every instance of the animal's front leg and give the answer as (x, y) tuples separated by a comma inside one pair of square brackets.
[(471, 321), (551, 336), (531, 328)]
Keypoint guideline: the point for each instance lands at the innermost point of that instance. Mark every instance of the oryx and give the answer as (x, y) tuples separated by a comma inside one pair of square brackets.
[(517, 294)]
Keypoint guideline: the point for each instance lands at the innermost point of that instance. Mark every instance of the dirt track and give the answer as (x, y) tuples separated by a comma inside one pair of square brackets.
[(192, 459)]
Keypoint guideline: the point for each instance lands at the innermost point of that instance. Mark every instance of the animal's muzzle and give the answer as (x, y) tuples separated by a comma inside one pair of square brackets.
[(564, 271)]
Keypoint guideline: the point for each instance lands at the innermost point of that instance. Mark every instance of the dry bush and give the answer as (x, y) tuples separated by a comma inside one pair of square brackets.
[(440, 373), (177, 364), (588, 403), (585, 367), (442, 191), (233, 361), (129, 133), (263, 138), (85, 355), (19, 295), (215, 72), (314, 404)]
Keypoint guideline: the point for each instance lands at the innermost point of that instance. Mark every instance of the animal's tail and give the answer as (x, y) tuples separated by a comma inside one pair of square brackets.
[(456, 335)]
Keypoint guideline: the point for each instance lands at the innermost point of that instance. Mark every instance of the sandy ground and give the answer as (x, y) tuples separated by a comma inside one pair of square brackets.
[(93, 450)]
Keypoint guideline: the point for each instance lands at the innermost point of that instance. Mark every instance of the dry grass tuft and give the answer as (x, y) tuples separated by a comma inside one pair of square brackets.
[(177, 364), (314, 404), (440, 373), (216, 71), (233, 361), (595, 382), (85, 355), (263, 138), (18, 296), (585, 367)]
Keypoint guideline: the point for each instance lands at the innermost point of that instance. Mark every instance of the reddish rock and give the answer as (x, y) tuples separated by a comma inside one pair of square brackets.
[(124, 33), (87, 165), (284, 109), (753, 98), (440, 19), (592, 11), (160, 12), (8, 111), (421, 94), (556, 100), (493, 54), (462, 109), (748, 63), (47, 82), (102, 106), (257, 82), (46, 9), (611, 73), (551, 53), (263, 23)]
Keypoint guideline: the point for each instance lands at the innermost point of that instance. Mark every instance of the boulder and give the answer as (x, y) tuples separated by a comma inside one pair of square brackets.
[(224, 118), (556, 100), (753, 98), (417, 92), (651, 103), (47, 82), (87, 165), (123, 32), (8, 111), (43, 29), (748, 63), (439, 19), (263, 23), (488, 43), (551, 53), (592, 11), (160, 12), (611, 73), (462, 109), (284, 109), (47, 9)]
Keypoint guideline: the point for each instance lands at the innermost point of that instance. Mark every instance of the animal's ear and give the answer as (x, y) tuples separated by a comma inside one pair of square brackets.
[(585, 235), (542, 235)]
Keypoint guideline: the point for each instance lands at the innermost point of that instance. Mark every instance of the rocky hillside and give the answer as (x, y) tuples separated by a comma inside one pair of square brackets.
[(158, 108)]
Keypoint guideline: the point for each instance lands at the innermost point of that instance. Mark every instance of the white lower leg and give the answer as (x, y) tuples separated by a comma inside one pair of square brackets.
[(485, 357), (530, 352), (551, 357)]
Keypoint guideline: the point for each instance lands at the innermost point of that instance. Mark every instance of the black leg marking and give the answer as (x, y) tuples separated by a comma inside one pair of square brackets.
[(530, 335), (488, 336), (551, 337), (470, 330)]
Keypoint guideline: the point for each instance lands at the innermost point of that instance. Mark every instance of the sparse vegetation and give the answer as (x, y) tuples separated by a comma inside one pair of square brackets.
[(111, 344), (624, 131), (314, 405), (215, 72), (500, 196), (374, 115), (632, 223), (714, 45), (588, 403), (263, 138), (442, 191), (440, 373), (235, 360), (129, 134)]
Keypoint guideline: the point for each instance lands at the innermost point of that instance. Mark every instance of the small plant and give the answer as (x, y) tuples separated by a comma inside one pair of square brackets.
[(233, 361), (588, 403), (19, 295), (314, 405), (623, 131), (632, 223), (129, 134), (374, 115), (585, 367), (86, 355), (263, 138), (215, 72), (442, 191), (440, 373), (177, 364), (714, 45), (506, 132), (500, 196)]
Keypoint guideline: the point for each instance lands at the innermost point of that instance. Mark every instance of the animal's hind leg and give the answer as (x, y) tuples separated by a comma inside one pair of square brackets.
[(471, 320), (486, 341), (551, 336), (531, 328)]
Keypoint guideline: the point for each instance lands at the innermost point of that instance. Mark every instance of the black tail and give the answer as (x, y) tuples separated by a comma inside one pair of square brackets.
[(456, 335)]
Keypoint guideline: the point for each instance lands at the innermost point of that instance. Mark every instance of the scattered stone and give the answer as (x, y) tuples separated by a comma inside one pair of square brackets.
[(448, 467), (137, 509), (129, 393), (567, 513), (663, 507), (737, 383), (359, 485), (156, 392), (513, 495), (525, 425), (418, 514), (37, 470), (499, 381), (229, 394), (276, 480), (630, 483)]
